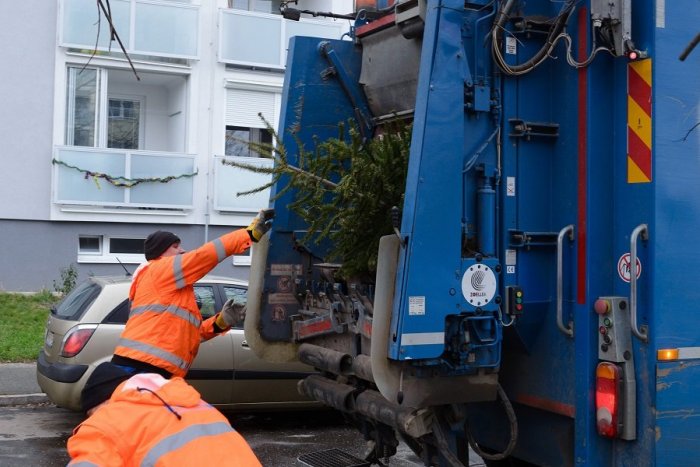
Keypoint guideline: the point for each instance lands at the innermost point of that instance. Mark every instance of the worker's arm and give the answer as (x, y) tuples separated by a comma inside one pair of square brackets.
[(208, 329), (90, 446), (188, 268)]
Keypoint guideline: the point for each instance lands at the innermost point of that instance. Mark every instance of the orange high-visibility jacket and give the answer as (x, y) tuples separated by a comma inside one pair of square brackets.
[(165, 326), (150, 420)]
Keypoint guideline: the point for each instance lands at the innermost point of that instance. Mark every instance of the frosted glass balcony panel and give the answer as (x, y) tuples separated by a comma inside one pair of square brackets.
[(166, 29), (257, 39), (80, 23), (327, 30), (251, 39), (230, 180), (72, 185), (175, 193)]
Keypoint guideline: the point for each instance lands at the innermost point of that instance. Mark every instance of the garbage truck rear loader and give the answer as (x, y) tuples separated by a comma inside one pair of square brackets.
[(538, 298)]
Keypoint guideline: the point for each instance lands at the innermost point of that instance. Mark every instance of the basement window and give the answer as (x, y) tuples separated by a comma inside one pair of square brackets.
[(106, 249), (244, 258)]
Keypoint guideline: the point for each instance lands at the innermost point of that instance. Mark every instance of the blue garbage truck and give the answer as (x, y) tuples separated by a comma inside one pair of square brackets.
[(538, 298)]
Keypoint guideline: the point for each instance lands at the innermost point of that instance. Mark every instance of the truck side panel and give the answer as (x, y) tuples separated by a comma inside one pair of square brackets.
[(677, 427)]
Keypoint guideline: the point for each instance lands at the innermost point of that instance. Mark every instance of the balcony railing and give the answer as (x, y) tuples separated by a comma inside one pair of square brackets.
[(145, 27), (77, 180), (229, 180), (259, 39)]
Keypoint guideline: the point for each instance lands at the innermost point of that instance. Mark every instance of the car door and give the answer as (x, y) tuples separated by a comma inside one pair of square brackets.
[(256, 381), (212, 370)]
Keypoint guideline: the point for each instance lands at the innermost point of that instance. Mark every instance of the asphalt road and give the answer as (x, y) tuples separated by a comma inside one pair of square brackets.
[(37, 435)]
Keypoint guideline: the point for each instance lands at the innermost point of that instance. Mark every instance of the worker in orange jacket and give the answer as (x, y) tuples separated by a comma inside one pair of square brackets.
[(165, 327), (150, 420)]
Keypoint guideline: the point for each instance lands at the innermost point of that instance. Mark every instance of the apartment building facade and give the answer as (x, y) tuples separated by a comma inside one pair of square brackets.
[(97, 156)]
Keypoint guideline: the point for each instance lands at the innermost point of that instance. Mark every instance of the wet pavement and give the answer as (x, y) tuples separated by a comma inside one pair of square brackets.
[(33, 431), (36, 436)]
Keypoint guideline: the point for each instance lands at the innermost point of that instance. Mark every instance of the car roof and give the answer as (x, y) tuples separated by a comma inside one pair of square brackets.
[(121, 279)]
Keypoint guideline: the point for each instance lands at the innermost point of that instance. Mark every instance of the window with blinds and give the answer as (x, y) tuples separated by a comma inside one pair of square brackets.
[(244, 105)]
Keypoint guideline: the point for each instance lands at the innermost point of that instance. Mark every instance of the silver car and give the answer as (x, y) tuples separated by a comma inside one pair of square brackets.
[(82, 332)]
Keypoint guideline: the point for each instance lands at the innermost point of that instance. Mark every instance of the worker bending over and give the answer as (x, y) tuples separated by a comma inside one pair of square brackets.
[(150, 420)]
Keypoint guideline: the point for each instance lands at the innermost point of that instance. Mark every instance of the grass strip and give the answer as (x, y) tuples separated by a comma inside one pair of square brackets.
[(22, 325)]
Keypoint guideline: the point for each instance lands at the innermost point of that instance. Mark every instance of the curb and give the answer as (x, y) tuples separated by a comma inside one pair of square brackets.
[(23, 399)]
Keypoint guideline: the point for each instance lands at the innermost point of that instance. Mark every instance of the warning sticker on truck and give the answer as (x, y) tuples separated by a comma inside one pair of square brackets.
[(416, 306), (511, 45), (510, 186), (285, 269), (281, 299), (624, 267)]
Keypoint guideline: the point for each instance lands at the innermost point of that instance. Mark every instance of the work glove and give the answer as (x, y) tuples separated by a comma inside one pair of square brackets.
[(233, 313), (261, 224)]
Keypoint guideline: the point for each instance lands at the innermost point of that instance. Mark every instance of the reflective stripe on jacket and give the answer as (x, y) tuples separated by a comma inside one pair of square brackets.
[(152, 421), (165, 326)]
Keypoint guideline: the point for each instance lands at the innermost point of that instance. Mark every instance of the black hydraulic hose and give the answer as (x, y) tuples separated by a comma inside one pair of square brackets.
[(689, 48), (445, 450), (499, 28), (513, 422)]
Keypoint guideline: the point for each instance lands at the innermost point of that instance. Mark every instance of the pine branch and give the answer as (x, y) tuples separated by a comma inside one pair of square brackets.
[(344, 189)]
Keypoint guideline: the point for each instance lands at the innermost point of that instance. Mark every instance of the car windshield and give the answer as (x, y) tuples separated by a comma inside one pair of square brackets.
[(75, 304)]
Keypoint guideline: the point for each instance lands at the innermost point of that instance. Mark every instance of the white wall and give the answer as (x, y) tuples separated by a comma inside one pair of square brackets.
[(28, 45), (177, 112)]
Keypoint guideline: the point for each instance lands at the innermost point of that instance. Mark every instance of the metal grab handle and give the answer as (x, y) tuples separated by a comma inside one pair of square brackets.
[(569, 229), (643, 230)]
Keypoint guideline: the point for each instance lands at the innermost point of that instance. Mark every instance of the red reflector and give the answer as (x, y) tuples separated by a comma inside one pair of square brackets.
[(607, 398), (77, 338)]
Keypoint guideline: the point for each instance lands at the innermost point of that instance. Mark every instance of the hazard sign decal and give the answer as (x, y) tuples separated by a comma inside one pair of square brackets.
[(624, 267), (639, 122)]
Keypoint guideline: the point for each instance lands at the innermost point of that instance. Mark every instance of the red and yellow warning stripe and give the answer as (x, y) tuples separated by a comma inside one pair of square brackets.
[(639, 122)]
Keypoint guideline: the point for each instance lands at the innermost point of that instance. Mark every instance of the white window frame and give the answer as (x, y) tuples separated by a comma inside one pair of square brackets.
[(91, 253), (105, 257), (102, 76), (251, 7), (142, 117), (243, 259)]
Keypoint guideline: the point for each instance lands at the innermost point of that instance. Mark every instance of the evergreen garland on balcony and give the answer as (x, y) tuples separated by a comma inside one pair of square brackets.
[(345, 190), (120, 181)]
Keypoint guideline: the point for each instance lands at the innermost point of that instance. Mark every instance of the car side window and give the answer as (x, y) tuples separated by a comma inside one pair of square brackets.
[(239, 294), (204, 295), (119, 314)]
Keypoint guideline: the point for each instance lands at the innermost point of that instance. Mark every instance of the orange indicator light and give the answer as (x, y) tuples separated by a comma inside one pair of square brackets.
[(667, 354)]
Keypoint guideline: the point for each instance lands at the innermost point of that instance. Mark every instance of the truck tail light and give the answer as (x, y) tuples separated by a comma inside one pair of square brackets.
[(75, 340), (608, 395)]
